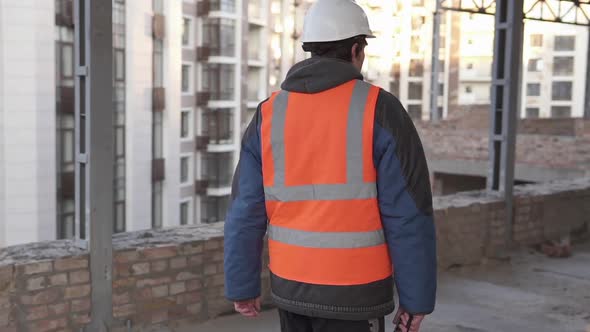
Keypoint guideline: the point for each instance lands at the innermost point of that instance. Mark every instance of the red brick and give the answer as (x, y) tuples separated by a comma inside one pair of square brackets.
[(60, 279), (140, 268), (194, 308), (159, 316), (81, 319), (159, 252), (58, 309), (77, 291), (195, 260), (43, 297), (212, 245), (36, 268), (159, 266), (178, 263), (48, 325), (152, 282), (160, 291), (35, 313), (191, 249), (81, 304), (121, 298), (36, 283), (79, 277), (188, 298), (142, 294), (193, 285), (177, 288), (71, 264), (210, 269), (124, 283), (126, 256), (125, 310), (122, 270), (184, 275)]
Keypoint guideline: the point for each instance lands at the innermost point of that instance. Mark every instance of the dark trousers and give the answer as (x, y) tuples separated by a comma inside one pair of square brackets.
[(291, 322)]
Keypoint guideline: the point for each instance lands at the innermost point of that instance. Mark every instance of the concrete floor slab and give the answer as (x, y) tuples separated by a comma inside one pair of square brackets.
[(528, 293)]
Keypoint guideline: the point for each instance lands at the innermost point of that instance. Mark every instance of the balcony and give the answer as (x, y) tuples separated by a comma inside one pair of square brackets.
[(203, 8), (158, 99), (159, 26), (68, 187), (218, 169), (66, 100), (203, 53), (218, 126), (201, 187), (201, 143), (64, 13), (158, 170), (203, 98)]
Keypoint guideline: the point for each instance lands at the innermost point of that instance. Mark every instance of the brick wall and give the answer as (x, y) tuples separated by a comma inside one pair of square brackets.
[(174, 276), (539, 144)]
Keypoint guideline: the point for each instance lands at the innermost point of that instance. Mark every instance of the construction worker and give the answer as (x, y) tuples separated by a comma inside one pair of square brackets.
[(332, 170)]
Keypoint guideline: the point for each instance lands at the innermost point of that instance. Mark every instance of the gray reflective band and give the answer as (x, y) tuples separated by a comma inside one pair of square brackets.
[(277, 136), (321, 192), (355, 187), (354, 135), (333, 240)]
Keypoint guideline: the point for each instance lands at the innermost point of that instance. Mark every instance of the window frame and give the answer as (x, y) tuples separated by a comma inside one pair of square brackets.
[(191, 124), (190, 176), (191, 32), (191, 79), (189, 201)]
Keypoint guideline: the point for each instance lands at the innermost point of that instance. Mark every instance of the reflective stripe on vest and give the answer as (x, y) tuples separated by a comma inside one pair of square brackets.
[(331, 240), (354, 188)]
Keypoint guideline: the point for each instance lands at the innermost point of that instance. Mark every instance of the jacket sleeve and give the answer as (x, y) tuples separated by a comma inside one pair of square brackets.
[(405, 203), (246, 220)]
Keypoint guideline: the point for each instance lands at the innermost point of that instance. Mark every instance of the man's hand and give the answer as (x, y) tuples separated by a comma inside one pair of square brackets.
[(403, 322), (249, 308)]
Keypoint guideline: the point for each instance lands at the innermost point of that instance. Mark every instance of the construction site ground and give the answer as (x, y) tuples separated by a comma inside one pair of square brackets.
[(526, 293)]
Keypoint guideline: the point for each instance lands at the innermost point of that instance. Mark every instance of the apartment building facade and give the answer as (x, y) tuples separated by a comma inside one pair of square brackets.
[(187, 76)]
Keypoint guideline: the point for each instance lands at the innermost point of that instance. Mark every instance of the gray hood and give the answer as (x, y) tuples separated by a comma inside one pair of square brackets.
[(319, 74)]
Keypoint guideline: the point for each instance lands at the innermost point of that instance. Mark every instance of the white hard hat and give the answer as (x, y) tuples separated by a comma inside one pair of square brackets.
[(332, 20)]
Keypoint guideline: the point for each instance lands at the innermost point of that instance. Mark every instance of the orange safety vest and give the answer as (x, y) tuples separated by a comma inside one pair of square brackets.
[(321, 199)]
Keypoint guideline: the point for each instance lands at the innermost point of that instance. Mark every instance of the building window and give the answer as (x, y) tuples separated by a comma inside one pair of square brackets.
[(67, 142), (418, 22), (562, 91), (158, 63), (394, 87), (416, 68), (214, 209), (532, 112), (218, 125), (416, 45), (563, 65), (415, 111), (186, 78), (536, 40), (561, 111), (186, 31), (219, 34), (186, 124), (469, 41), (533, 89), (228, 6), (218, 80), (218, 168), (185, 212), (565, 43), (470, 66), (185, 170), (415, 90), (469, 89), (535, 65)]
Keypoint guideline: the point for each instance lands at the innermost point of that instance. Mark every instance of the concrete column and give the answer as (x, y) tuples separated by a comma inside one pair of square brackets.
[(27, 129), (139, 114)]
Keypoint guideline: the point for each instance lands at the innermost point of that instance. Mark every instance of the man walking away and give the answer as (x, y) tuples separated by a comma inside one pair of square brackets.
[(333, 171)]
